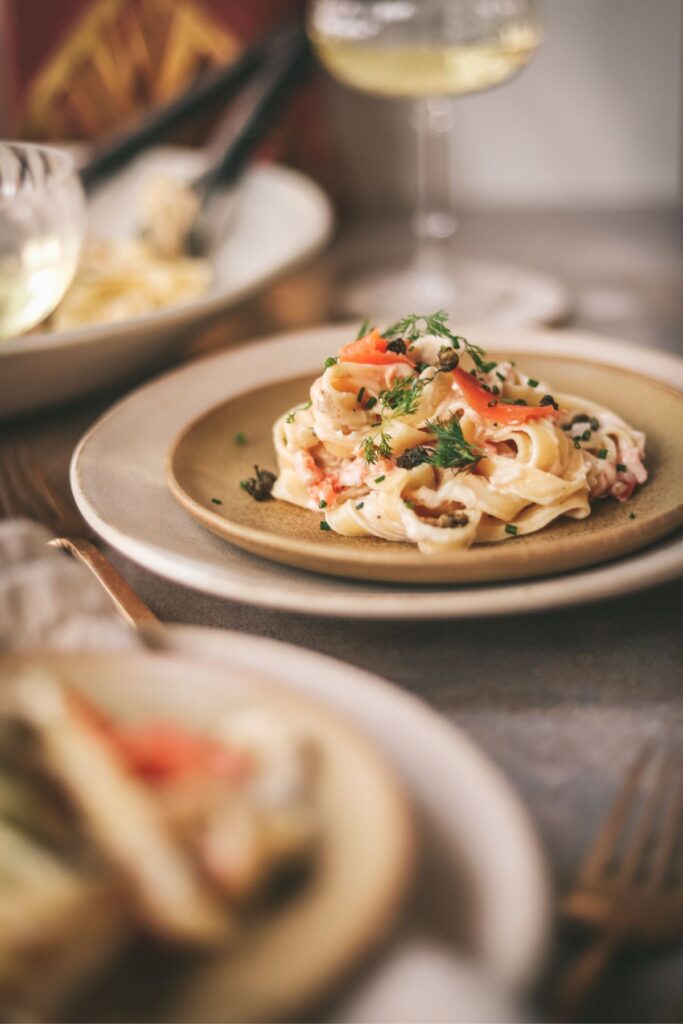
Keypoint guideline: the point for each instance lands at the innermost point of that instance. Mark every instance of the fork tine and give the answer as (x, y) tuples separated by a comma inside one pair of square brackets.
[(608, 837), (645, 827), (8, 503), (29, 501), (671, 824), (33, 471)]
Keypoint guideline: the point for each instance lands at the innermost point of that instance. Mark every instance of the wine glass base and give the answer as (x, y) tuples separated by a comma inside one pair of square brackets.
[(473, 291)]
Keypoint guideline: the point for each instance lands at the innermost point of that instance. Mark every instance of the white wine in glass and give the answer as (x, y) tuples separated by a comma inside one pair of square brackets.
[(430, 51), (430, 70)]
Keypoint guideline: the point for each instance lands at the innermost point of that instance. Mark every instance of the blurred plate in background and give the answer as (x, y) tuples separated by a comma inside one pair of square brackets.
[(282, 218)]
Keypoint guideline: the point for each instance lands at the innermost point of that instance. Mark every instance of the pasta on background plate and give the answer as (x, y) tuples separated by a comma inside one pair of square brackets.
[(414, 435)]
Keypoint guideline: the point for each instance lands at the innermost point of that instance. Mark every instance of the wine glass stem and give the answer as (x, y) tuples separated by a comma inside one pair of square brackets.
[(434, 222)]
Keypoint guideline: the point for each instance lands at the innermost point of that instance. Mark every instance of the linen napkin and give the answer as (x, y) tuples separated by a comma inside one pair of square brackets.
[(48, 600)]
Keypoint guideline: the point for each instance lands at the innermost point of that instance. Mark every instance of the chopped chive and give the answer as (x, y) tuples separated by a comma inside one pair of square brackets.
[(324, 525), (602, 454), (240, 439), (359, 396), (511, 529), (632, 515), (371, 402), (621, 467), (360, 504), (532, 383), (408, 504), (330, 361), (586, 435), (500, 376), (322, 504), (216, 501), (378, 479), (577, 443), (495, 389)]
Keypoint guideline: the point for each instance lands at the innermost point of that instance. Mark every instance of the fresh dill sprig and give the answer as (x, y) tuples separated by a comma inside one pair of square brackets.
[(374, 449), (403, 397), (436, 324), (364, 329), (290, 417), (451, 450)]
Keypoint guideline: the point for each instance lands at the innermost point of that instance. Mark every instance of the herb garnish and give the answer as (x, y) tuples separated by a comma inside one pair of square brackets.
[(511, 529), (259, 486), (360, 504), (602, 454), (621, 468), (240, 439), (632, 515), (436, 324), (292, 415), (322, 504), (324, 525), (359, 396), (532, 383), (364, 329), (216, 501), (373, 449), (403, 397), (451, 450), (378, 479), (330, 361)]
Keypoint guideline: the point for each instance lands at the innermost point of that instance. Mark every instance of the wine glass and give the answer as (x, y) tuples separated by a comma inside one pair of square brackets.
[(431, 51), (42, 225)]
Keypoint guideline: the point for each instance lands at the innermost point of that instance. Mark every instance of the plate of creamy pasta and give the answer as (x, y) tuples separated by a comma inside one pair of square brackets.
[(182, 840), (416, 455), (138, 296)]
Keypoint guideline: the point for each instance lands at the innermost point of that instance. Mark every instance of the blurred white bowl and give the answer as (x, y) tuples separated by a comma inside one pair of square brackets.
[(282, 219)]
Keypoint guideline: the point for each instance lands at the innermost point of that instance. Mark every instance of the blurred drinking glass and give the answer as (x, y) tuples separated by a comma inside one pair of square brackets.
[(42, 224), (430, 51)]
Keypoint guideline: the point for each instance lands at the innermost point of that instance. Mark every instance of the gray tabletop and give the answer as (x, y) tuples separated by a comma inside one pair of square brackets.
[(562, 700)]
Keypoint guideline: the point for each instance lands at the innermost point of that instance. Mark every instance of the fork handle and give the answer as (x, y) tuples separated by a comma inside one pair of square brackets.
[(126, 601), (579, 978)]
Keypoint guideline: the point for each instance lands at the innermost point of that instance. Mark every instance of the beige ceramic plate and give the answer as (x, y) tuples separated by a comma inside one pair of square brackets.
[(205, 467), (292, 956)]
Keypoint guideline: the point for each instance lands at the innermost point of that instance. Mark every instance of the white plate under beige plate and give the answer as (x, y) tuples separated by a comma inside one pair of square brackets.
[(117, 475), (282, 218)]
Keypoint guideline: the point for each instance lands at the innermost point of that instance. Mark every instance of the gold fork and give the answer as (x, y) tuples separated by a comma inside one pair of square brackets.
[(26, 490), (630, 887)]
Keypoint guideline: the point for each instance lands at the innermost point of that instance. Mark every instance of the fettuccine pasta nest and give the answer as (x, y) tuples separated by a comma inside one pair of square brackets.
[(414, 435)]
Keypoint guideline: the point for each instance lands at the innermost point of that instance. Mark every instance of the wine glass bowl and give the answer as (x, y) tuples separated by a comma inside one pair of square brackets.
[(42, 226), (423, 48)]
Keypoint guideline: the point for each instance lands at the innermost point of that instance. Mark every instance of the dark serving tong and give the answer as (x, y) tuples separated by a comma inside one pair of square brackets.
[(267, 72)]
